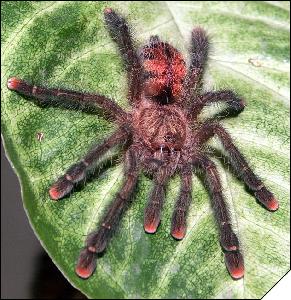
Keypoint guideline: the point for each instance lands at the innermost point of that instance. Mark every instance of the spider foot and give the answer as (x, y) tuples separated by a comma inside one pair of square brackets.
[(108, 10), (178, 233), (61, 188), (178, 229), (86, 264), (235, 264), (267, 199), (152, 219), (229, 240), (16, 84)]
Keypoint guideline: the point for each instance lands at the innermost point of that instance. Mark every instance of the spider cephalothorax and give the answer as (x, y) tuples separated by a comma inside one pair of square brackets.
[(163, 135)]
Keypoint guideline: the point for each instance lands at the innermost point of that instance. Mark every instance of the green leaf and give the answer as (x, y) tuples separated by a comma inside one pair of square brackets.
[(65, 44)]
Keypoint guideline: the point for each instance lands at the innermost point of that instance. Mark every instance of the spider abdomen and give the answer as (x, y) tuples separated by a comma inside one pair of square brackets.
[(165, 69)]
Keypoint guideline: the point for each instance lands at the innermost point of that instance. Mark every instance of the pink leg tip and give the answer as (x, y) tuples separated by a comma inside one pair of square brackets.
[(237, 273), (86, 264), (84, 272), (54, 194), (273, 204), (235, 264), (150, 228), (13, 83), (178, 234), (108, 10)]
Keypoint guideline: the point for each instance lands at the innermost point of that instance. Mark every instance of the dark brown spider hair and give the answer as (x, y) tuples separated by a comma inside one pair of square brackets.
[(163, 136)]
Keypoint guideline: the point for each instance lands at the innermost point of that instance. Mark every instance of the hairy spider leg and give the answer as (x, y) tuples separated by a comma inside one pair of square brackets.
[(77, 172), (120, 33), (67, 98), (228, 239), (235, 103), (239, 164), (152, 215), (178, 229), (198, 57), (97, 241)]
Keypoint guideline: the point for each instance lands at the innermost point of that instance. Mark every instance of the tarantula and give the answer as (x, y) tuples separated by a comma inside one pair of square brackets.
[(163, 135)]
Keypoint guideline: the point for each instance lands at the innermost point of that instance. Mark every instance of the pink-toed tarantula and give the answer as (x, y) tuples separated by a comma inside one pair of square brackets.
[(163, 137)]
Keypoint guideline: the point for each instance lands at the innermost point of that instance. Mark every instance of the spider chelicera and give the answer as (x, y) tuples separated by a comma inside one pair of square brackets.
[(164, 136)]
